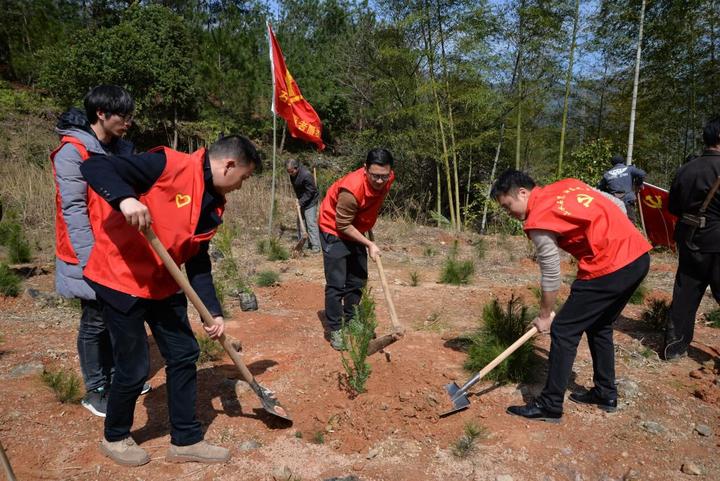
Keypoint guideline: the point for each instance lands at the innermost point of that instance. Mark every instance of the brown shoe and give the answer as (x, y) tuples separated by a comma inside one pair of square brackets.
[(201, 452), (125, 452)]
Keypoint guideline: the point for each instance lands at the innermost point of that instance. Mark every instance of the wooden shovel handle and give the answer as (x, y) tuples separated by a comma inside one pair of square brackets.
[(300, 219), (513, 347), (386, 291), (205, 315), (6, 464)]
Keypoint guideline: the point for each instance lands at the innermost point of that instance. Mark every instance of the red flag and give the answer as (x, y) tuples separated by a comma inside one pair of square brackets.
[(658, 222), (302, 120)]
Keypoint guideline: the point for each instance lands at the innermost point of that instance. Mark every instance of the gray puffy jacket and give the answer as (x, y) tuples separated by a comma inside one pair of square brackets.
[(69, 281)]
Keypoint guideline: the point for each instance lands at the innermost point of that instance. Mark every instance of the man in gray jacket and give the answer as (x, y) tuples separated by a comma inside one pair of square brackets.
[(307, 194), (98, 130)]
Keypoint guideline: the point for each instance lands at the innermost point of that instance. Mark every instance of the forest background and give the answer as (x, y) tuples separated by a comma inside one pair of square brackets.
[(456, 89)]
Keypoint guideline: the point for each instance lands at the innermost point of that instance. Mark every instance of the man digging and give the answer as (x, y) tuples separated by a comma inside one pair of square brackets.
[(349, 210), (612, 262), (307, 195), (183, 197)]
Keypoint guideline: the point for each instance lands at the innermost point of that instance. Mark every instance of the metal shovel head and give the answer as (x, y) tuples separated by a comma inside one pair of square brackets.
[(458, 402), (269, 401)]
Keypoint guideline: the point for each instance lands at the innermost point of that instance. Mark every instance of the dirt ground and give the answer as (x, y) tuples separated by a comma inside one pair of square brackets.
[(394, 431)]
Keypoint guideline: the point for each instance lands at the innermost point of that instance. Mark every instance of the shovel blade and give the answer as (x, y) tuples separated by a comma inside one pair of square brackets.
[(269, 401), (458, 402)]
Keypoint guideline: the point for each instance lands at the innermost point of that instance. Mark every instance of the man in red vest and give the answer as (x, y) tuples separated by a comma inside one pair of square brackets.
[(612, 262), (98, 130), (183, 197), (350, 209)]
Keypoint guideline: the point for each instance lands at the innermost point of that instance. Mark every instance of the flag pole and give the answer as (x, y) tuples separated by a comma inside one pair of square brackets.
[(274, 151)]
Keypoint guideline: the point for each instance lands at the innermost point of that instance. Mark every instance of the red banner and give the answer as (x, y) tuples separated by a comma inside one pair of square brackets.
[(302, 120), (658, 222)]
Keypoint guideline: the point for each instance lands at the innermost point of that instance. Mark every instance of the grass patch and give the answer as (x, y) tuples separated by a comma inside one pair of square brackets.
[(414, 278), (65, 385), (456, 272), (713, 318), (638, 297), (298, 434), (210, 349), (429, 252), (13, 238), (267, 278), (502, 327), (656, 315), (272, 249), (9, 282), (466, 443), (357, 335), (318, 437)]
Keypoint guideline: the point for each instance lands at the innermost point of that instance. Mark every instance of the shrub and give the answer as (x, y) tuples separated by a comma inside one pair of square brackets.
[(318, 437), (273, 249), (638, 297), (414, 278), (457, 272), (466, 443), (65, 384), (267, 278), (501, 328), (210, 349), (223, 239), (12, 237), (357, 335), (656, 314), (713, 318), (429, 252), (9, 282)]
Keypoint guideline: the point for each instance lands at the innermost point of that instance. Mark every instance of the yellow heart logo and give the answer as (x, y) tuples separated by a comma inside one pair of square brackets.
[(182, 200)]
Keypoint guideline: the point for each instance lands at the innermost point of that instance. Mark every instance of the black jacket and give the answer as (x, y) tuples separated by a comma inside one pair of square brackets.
[(689, 189), (305, 188)]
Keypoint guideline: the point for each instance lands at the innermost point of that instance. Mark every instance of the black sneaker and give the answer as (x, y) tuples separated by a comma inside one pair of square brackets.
[(534, 410), (95, 401), (592, 397)]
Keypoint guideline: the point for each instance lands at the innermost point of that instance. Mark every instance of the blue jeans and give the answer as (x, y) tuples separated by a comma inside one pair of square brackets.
[(310, 215), (171, 330), (94, 347)]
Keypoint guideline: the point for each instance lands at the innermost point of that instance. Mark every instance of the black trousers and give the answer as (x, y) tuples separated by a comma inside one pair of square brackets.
[(696, 270), (592, 307), (169, 324), (94, 348), (346, 274)]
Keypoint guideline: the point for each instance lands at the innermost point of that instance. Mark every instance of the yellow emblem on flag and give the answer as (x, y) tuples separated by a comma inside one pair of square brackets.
[(653, 201), (182, 200)]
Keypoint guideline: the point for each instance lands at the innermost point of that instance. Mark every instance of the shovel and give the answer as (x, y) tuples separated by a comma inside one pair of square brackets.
[(267, 397), (6, 464), (301, 242), (458, 395), (398, 330)]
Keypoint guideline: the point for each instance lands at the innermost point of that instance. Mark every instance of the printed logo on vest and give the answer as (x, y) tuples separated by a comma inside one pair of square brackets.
[(182, 200)]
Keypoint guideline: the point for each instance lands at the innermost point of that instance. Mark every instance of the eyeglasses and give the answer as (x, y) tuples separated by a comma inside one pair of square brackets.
[(379, 177), (127, 118)]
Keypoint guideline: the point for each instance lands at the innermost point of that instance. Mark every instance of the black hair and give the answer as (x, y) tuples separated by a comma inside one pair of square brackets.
[(379, 157), (238, 148), (110, 99), (711, 132), (617, 159), (509, 182)]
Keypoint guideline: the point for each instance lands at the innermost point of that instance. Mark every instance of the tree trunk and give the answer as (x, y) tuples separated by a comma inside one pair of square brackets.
[(568, 81), (282, 140), (175, 128), (518, 129), (451, 123), (492, 178), (631, 133)]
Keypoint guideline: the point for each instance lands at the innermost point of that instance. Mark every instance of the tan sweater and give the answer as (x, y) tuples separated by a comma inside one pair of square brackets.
[(345, 210)]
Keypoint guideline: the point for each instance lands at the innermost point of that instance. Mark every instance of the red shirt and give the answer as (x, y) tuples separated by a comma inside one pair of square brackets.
[(368, 199), (589, 227)]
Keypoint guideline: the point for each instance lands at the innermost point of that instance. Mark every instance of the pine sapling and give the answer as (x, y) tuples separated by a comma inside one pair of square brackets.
[(357, 335)]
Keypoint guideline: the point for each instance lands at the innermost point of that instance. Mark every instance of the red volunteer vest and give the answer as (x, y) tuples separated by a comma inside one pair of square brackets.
[(122, 258), (63, 247), (369, 202), (589, 226)]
